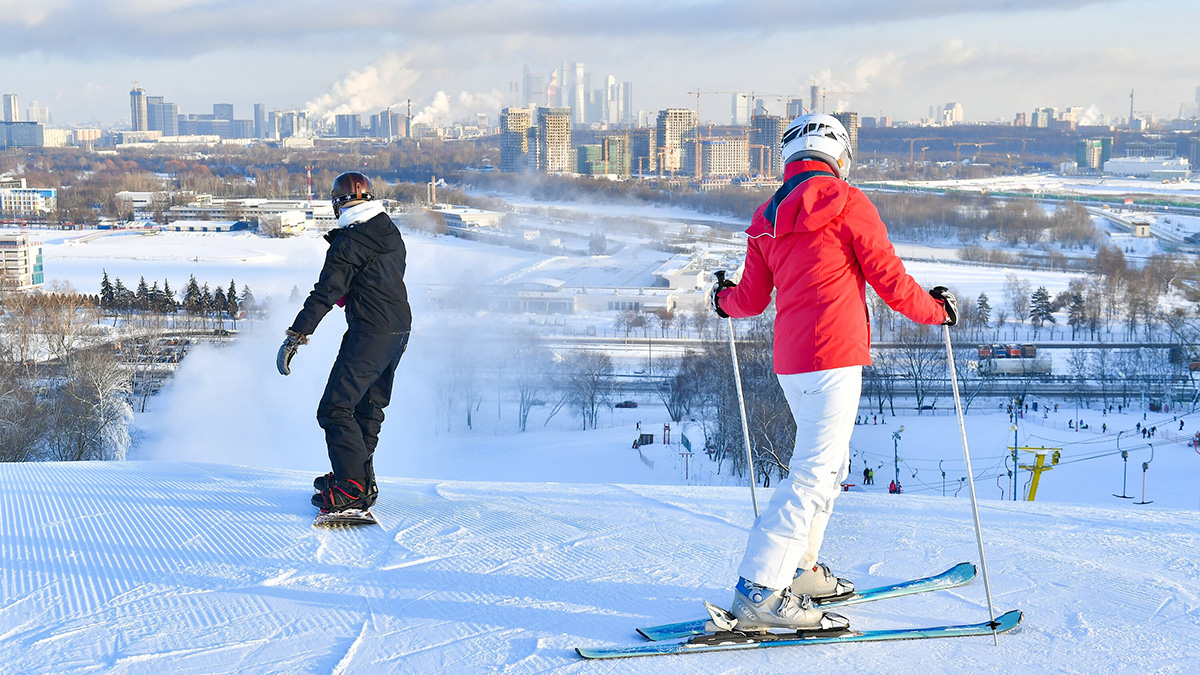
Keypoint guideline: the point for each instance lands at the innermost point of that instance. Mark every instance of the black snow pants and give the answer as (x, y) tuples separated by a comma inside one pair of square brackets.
[(359, 388)]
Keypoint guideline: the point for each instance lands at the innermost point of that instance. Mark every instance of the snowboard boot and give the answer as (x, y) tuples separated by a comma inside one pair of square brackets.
[(321, 483), (758, 609), (819, 584), (342, 495)]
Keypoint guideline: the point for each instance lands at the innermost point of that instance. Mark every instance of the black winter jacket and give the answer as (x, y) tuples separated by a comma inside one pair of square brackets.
[(365, 263)]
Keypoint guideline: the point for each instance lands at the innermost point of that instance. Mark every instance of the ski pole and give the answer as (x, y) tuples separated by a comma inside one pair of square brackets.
[(737, 377), (962, 428)]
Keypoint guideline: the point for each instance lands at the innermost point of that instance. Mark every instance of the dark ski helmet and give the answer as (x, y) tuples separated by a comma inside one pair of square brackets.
[(349, 187)]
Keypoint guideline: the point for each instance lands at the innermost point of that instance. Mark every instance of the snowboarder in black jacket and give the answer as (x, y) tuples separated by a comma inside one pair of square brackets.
[(363, 272)]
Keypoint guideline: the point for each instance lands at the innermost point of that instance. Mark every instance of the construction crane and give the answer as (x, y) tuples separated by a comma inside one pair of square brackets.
[(754, 97), (843, 93), (958, 147), (912, 142)]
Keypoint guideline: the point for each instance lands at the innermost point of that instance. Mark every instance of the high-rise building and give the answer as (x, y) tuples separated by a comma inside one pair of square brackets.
[(347, 126), (766, 131), (1042, 117), (38, 114), (573, 90), (795, 108), (740, 113), (814, 92), (138, 119), (22, 135), (627, 111), (223, 111), (11, 113), (1092, 153), (554, 140), (162, 116), (720, 157), (850, 121), (22, 261), (1020, 120), (514, 139), (952, 113), (674, 125), (643, 151), (533, 89), (260, 120)]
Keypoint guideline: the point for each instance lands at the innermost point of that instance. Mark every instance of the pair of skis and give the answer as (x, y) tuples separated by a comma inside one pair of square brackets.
[(706, 635)]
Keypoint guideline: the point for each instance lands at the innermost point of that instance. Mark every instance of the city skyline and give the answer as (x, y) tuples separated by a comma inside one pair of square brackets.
[(81, 59)]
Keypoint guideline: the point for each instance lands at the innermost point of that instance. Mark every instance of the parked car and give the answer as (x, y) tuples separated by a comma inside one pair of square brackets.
[(626, 404)]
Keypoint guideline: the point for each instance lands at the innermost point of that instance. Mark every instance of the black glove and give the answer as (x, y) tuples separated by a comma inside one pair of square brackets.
[(949, 303), (290, 345), (720, 284)]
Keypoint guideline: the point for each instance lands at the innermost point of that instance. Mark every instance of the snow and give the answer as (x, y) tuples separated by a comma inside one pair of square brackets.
[(500, 551), (1041, 184), (141, 567)]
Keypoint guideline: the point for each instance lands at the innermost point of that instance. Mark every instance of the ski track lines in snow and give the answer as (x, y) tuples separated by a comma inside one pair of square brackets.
[(148, 567)]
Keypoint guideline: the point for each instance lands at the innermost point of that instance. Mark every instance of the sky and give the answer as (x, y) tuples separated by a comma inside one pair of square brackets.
[(455, 58)]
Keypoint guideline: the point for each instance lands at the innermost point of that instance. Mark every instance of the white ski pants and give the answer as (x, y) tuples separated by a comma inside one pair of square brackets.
[(789, 532)]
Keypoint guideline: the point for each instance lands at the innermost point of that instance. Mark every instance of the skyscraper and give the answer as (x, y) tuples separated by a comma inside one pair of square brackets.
[(260, 120), (674, 125), (554, 140), (162, 116), (514, 139), (223, 111), (850, 121), (765, 134), (533, 87), (628, 114), (11, 113), (138, 120), (740, 113)]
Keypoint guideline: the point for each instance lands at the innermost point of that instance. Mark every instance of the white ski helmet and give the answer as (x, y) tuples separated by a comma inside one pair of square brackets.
[(818, 136)]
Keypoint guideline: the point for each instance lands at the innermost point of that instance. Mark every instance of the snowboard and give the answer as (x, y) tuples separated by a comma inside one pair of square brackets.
[(347, 517)]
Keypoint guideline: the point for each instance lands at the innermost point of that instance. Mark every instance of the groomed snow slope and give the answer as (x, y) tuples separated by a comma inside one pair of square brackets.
[(156, 567)]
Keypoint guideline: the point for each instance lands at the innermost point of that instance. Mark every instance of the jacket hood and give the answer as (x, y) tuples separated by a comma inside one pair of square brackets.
[(378, 233), (811, 196)]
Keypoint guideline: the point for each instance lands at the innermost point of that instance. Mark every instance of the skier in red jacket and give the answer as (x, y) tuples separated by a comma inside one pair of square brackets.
[(816, 244)]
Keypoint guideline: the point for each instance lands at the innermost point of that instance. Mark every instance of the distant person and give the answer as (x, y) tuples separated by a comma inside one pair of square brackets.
[(892, 488), (1181, 425), (866, 476), (364, 272), (815, 245)]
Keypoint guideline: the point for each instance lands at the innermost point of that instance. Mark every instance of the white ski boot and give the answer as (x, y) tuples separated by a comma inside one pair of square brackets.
[(758, 608), (820, 584)]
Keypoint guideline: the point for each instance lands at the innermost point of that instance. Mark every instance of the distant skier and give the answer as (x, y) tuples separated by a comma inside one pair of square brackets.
[(867, 476), (364, 272), (816, 243)]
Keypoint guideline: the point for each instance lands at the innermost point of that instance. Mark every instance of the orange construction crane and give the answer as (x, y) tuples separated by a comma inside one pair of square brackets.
[(912, 142), (958, 147)]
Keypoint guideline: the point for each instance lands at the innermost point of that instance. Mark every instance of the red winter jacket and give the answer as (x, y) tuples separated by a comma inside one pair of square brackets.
[(817, 242)]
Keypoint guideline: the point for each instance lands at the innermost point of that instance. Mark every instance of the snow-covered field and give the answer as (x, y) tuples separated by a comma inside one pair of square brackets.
[(151, 567), (501, 551), (1041, 184)]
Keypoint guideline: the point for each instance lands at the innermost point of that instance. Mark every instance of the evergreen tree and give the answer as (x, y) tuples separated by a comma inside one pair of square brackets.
[(154, 299), (231, 301), (247, 297), (206, 299), (142, 297), (1041, 307), (106, 292), (122, 297), (1076, 314), (168, 297), (985, 309), (219, 303), (191, 296)]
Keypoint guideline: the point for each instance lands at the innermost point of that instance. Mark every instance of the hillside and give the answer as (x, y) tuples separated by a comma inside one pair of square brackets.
[(150, 567)]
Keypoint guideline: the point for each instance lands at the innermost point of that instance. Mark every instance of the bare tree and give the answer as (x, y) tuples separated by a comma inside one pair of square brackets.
[(588, 383), (1017, 292), (919, 358), (530, 360)]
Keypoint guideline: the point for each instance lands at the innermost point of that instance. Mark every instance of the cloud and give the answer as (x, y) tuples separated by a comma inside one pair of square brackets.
[(383, 83), (184, 28)]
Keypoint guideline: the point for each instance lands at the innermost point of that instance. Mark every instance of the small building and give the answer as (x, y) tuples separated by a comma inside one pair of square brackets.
[(16, 197), (22, 262), (465, 216), (1154, 168), (206, 226)]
